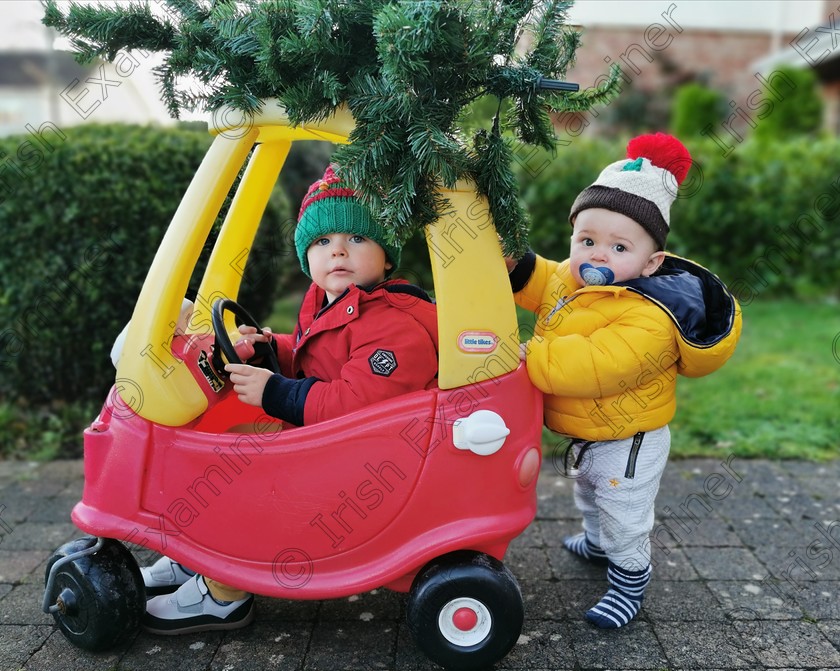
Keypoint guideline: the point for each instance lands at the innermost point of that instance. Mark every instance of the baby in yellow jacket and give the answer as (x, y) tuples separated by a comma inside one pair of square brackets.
[(615, 324)]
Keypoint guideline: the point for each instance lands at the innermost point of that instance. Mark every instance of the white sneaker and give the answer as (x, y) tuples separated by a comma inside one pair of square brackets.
[(164, 576), (191, 609)]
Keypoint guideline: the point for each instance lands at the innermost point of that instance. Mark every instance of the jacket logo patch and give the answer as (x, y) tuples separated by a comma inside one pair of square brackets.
[(382, 362)]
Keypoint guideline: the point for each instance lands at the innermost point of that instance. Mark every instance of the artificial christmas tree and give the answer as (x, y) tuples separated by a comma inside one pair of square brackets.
[(406, 70)]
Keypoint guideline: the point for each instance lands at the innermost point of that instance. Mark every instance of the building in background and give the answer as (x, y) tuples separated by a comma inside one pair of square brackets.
[(816, 47), (28, 91), (42, 86), (732, 46), (661, 45)]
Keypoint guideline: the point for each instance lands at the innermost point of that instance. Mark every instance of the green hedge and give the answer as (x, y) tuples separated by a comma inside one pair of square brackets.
[(763, 217), (696, 107), (797, 106), (83, 211), (82, 221)]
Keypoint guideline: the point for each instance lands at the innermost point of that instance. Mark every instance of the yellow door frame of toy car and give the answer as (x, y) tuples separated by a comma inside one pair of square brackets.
[(477, 324)]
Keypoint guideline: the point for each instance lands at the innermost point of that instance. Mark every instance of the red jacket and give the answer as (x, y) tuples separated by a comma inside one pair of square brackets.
[(366, 346)]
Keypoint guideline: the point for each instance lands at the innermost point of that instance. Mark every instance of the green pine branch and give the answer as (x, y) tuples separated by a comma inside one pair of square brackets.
[(406, 69)]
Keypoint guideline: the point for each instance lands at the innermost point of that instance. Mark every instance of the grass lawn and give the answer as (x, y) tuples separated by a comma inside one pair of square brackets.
[(283, 318), (778, 396)]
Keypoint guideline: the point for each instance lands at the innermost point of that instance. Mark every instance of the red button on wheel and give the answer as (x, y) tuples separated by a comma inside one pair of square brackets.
[(465, 619)]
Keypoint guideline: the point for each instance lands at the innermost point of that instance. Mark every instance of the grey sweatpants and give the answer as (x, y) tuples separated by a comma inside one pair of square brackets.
[(615, 490)]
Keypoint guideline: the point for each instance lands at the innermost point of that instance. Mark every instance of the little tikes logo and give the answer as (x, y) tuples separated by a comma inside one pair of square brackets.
[(482, 342)]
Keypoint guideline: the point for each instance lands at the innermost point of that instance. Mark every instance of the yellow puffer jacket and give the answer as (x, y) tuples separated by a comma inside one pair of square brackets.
[(607, 357)]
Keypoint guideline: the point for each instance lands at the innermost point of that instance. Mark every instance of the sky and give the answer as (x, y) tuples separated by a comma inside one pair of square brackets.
[(20, 27), (765, 15)]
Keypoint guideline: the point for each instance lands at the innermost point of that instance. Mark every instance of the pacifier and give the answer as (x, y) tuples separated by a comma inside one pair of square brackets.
[(593, 276)]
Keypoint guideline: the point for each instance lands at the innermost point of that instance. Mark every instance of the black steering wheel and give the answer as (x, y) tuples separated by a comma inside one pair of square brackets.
[(223, 343)]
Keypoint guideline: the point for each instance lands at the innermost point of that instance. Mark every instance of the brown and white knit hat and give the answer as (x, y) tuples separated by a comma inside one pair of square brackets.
[(643, 186)]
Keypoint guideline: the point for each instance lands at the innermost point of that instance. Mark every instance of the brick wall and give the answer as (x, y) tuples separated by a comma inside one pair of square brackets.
[(653, 58), (665, 54)]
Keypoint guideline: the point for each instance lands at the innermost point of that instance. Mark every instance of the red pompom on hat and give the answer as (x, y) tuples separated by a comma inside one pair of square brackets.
[(664, 151), (642, 186)]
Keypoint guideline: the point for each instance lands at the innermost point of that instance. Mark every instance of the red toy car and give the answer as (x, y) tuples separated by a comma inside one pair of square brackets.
[(419, 494)]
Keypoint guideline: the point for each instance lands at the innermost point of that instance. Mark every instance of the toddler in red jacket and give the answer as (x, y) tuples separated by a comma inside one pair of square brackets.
[(360, 338)]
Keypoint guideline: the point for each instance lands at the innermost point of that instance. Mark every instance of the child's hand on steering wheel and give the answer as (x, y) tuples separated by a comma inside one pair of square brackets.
[(245, 345), (248, 382)]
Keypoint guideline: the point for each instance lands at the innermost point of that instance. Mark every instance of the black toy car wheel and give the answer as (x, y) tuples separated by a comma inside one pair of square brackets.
[(465, 610), (99, 598)]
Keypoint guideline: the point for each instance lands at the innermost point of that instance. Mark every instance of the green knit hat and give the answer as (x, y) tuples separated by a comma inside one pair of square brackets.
[(331, 206)]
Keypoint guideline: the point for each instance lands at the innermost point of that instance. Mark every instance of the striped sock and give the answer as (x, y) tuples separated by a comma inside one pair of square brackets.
[(583, 547), (623, 600)]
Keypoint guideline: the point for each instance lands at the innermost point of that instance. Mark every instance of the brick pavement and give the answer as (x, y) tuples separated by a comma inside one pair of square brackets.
[(744, 578)]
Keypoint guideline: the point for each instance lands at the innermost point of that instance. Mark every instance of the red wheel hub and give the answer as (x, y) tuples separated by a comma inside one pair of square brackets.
[(465, 619)]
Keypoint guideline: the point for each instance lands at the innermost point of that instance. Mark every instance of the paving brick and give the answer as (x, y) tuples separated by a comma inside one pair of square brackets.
[(743, 588)]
